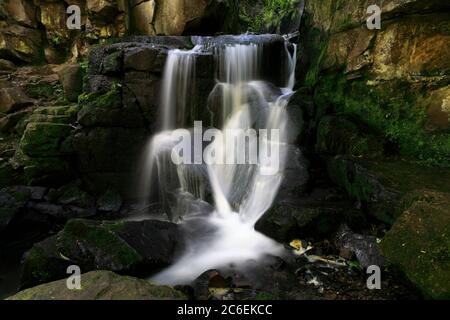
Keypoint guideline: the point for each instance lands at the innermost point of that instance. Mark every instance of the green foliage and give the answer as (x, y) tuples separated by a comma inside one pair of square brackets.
[(270, 16), (397, 117)]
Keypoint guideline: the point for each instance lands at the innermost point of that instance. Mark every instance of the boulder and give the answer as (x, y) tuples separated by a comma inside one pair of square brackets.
[(381, 185), (419, 243), (8, 122), (107, 111), (363, 246), (101, 285), (43, 139), (132, 247), (6, 65), (148, 59), (13, 99), (71, 77), (103, 11), (20, 44), (22, 11), (305, 217)]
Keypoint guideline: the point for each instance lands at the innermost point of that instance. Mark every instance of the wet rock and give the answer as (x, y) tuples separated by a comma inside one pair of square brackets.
[(110, 201), (101, 285), (296, 174), (312, 216), (419, 243), (13, 99), (364, 247), (128, 247), (209, 279), (71, 77)]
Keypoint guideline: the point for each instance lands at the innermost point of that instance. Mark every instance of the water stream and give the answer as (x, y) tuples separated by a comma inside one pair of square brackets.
[(218, 202)]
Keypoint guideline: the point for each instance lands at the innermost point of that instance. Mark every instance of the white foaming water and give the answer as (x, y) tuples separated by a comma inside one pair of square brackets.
[(242, 193)]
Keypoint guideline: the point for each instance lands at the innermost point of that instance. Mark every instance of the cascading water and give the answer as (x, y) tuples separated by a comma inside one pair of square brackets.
[(242, 191)]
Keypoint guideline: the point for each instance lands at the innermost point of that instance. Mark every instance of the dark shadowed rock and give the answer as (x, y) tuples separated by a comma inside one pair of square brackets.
[(364, 247), (13, 99), (134, 247), (71, 77), (109, 201)]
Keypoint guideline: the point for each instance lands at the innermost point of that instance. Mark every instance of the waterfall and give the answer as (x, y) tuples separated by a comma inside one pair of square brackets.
[(243, 186)]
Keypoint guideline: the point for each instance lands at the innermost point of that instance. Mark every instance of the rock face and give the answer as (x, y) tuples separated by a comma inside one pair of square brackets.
[(381, 185), (390, 84), (101, 285), (136, 248), (419, 243)]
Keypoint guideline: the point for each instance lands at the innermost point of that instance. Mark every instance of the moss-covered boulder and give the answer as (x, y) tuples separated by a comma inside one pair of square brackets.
[(106, 110), (419, 243), (101, 285), (44, 139), (135, 248), (381, 185)]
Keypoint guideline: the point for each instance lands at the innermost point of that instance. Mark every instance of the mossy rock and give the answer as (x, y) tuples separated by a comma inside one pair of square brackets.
[(68, 111), (381, 185), (419, 243), (101, 285), (106, 110), (41, 89), (44, 139), (113, 63), (102, 245)]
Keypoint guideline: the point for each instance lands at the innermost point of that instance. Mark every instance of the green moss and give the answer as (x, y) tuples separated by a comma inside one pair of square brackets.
[(99, 237), (42, 139), (388, 110), (40, 90), (110, 99), (113, 63), (419, 244), (265, 296), (356, 185), (260, 15)]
